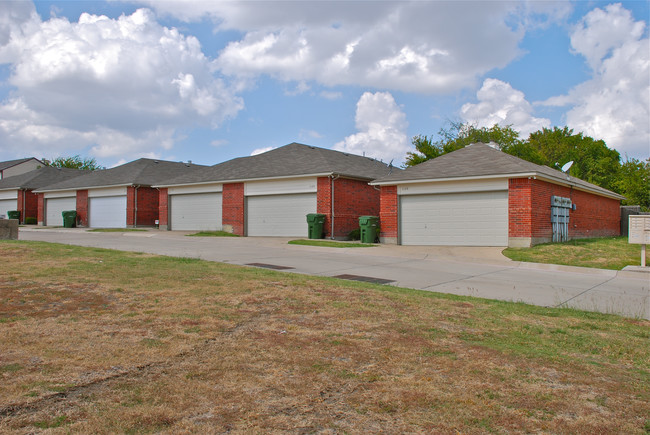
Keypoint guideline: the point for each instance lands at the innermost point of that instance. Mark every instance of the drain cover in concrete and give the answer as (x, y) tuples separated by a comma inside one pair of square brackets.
[(365, 279), (269, 266)]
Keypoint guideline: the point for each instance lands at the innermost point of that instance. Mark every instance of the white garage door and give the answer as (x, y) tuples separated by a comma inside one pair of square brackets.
[(7, 205), (196, 211), (458, 219), (54, 207), (279, 215), (107, 212)]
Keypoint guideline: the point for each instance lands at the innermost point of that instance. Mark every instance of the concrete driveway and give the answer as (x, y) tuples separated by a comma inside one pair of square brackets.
[(480, 272)]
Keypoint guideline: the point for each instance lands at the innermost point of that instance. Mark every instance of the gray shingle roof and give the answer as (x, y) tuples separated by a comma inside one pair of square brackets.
[(481, 160), (290, 160), (141, 172), (41, 177), (9, 163)]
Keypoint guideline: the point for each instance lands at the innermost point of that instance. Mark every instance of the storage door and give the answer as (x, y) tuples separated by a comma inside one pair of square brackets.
[(458, 219), (196, 211), (107, 212), (54, 207), (279, 215)]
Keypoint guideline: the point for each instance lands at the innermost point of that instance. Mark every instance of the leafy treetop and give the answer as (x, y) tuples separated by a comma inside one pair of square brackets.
[(74, 162)]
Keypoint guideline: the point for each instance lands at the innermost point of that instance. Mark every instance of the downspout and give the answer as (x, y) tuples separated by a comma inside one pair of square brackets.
[(332, 178)]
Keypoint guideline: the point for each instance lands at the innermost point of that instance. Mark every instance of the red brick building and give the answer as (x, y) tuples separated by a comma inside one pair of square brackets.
[(120, 197), (479, 196), (270, 194), (17, 192)]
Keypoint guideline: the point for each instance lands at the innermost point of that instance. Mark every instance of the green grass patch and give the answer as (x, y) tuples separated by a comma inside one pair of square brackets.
[(604, 253), (49, 424), (329, 243), (213, 234), (115, 230)]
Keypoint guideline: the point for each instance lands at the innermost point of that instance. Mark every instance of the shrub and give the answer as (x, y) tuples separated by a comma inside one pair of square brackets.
[(30, 221), (355, 234)]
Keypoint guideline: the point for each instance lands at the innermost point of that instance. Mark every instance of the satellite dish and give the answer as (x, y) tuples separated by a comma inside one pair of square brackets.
[(567, 166)]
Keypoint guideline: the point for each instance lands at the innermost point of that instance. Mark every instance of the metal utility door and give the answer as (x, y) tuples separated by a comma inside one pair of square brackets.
[(560, 208)]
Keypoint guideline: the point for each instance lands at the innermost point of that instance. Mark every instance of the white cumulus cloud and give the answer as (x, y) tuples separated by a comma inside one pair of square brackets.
[(615, 104), (381, 126), (499, 103), (120, 86), (414, 46)]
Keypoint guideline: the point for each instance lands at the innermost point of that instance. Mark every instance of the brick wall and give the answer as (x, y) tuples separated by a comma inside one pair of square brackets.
[(82, 208), (31, 204), (130, 206), (520, 208), (352, 198), (27, 204), (163, 208), (530, 211), (388, 215), (40, 210), (147, 204), (233, 208)]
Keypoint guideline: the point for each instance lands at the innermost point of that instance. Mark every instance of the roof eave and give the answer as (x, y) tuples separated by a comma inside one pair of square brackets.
[(104, 186), (243, 180), (555, 180)]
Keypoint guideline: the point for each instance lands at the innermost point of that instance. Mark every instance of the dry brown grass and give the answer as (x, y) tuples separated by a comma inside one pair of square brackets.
[(95, 341)]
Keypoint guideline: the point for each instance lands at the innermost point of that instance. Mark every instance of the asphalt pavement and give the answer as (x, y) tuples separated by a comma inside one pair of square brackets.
[(470, 271)]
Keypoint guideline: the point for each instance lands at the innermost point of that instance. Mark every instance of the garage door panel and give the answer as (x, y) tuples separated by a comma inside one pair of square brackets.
[(200, 211), (279, 215), (463, 219), (54, 207), (107, 212), (7, 205)]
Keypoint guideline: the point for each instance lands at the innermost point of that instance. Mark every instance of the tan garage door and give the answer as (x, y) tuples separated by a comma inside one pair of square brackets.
[(279, 215), (457, 219)]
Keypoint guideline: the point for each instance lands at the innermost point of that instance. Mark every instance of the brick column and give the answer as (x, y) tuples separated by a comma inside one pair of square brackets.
[(40, 210), (388, 214), (82, 208), (163, 209), (233, 218)]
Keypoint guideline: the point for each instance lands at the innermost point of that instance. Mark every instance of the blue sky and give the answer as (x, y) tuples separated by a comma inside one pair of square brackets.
[(210, 81)]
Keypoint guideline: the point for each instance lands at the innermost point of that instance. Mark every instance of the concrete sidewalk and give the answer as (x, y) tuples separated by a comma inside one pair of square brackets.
[(480, 272)]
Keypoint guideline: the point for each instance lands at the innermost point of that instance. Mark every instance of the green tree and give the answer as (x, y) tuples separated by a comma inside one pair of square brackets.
[(74, 162), (458, 135), (592, 160), (634, 183)]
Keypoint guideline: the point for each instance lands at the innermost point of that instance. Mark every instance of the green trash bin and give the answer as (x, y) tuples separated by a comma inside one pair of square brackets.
[(368, 228), (315, 222), (69, 218), (13, 214)]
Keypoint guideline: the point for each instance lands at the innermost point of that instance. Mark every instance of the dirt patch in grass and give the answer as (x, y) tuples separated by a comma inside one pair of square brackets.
[(604, 253), (156, 344)]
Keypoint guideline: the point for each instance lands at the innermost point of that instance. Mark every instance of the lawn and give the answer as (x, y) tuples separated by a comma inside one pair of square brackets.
[(115, 230), (101, 341), (603, 253), (329, 243), (213, 234)]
